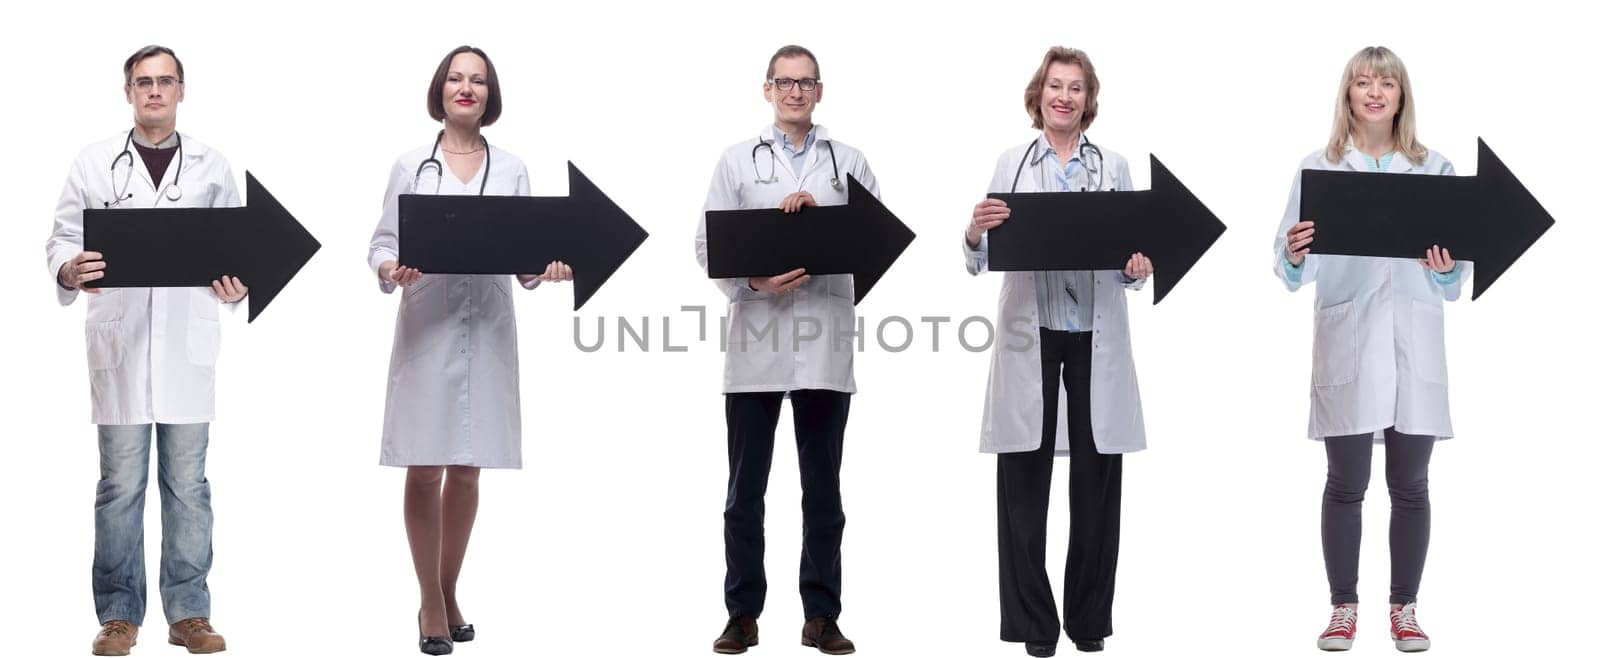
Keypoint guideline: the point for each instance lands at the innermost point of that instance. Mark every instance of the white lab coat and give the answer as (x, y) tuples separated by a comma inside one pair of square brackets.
[(758, 359), (152, 351), (1377, 358), (453, 382), (1013, 409)]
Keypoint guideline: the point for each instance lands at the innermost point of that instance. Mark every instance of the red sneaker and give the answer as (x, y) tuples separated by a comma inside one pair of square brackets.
[(1404, 631), (1341, 631)]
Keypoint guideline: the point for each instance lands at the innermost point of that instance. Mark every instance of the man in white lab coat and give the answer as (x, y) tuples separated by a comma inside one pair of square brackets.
[(770, 355), (152, 359)]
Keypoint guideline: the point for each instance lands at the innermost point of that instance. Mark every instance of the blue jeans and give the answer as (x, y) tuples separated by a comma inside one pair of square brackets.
[(119, 579)]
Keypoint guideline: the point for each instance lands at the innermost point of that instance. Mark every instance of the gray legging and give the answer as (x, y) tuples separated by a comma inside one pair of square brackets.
[(1349, 469)]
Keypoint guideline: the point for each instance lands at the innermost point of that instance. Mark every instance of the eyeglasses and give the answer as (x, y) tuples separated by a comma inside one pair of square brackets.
[(165, 82), (786, 84)]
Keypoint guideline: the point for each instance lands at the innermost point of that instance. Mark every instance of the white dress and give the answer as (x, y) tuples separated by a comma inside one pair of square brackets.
[(452, 392)]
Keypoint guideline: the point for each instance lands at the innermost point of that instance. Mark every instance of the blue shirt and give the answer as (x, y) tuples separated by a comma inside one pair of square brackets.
[(1292, 271), (1380, 163), (797, 159), (1065, 298)]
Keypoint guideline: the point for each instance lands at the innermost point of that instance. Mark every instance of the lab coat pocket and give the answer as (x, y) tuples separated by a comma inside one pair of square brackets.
[(205, 303), (105, 306), (497, 322), (500, 295), (105, 344), (1333, 353), (753, 343), (1427, 342), (842, 286), (424, 318), (204, 341)]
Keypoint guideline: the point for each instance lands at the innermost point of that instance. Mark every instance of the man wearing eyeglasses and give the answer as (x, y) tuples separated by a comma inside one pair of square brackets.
[(152, 359), (788, 335)]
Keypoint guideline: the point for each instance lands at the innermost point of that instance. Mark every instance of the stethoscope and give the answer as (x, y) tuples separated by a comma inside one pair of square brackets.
[(1088, 154), (1086, 151), (173, 192), (772, 162), (438, 166)]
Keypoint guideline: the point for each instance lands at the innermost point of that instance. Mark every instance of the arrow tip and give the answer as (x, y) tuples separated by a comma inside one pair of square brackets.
[(1523, 220), (1193, 228), (610, 233), (281, 246), (884, 236)]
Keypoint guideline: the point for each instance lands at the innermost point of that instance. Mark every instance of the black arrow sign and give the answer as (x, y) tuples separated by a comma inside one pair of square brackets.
[(520, 234), (1100, 230), (1489, 219), (861, 238), (261, 243)]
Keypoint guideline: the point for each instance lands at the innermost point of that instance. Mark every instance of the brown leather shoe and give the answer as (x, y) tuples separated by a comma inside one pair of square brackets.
[(116, 638), (823, 633), (196, 635), (740, 634)]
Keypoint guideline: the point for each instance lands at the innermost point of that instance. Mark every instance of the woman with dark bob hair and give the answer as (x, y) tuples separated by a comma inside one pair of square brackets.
[(453, 406)]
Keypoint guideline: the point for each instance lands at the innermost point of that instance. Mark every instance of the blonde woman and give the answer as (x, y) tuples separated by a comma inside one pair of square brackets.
[(1378, 371)]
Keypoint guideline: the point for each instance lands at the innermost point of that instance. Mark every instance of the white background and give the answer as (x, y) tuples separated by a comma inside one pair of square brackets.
[(609, 540)]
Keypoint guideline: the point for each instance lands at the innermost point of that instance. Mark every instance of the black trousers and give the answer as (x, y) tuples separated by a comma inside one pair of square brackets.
[(819, 420), (1094, 484)]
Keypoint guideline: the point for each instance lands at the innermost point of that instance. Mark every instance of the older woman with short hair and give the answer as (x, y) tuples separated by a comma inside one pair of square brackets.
[(1073, 377)]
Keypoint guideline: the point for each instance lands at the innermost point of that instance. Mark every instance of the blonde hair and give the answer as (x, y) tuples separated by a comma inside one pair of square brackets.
[(1381, 62), (1091, 91)]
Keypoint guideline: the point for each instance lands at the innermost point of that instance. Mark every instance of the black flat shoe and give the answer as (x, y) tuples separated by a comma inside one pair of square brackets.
[(738, 636), (1090, 646), (433, 645), (462, 633), (1041, 649)]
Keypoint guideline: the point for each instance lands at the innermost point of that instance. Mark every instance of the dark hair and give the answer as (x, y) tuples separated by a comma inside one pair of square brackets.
[(793, 51), (146, 53), (491, 109)]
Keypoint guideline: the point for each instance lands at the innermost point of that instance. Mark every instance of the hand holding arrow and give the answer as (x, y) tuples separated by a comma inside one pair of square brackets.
[(400, 275), (584, 232), (1165, 226), (259, 244), (768, 243), (1489, 219)]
